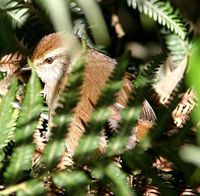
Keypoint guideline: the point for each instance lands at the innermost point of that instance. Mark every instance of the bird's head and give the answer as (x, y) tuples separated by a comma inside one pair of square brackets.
[(50, 58)]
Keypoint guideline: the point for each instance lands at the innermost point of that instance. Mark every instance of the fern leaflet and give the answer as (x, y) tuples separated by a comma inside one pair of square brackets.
[(7, 115), (162, 12), (14, 11), (26, 124), (177, 47)]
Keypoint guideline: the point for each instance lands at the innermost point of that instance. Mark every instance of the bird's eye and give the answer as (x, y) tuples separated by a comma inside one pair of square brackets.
[(48, 60)]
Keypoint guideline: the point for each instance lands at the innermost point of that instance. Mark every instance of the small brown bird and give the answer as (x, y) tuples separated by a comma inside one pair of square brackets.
[(51, 61)]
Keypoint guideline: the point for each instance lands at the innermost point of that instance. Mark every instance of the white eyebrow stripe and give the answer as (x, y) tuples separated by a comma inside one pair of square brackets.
[(52, 53), (55, 52)]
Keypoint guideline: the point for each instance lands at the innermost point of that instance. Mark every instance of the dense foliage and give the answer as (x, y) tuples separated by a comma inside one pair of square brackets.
[(163, 58)]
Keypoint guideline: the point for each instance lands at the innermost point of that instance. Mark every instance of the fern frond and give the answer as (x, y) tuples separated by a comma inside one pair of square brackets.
[(31, 109), (177, 48), (15, 11), (26, 124), (19, 164), (98, 27), (130, 115), (29, 187), (74, 182), (128, 121), (114, 178), (80, 29), (164, 115), (11, 62), (148, 72), (32, 187), (162, 12), (7, 117)]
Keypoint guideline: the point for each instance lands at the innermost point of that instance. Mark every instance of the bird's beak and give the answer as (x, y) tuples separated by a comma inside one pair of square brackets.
[(25, 69), (23, 74)]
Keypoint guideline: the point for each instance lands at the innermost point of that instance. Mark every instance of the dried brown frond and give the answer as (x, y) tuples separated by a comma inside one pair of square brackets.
[(151, 191), (184, 108), (187, 192), (118, 27), (163, 164), (10, 63)]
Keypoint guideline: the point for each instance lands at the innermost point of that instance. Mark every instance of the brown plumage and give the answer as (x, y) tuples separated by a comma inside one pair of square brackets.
[(51, 62)]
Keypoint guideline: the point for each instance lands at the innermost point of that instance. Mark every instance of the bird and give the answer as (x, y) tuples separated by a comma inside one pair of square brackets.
[(52, 62)]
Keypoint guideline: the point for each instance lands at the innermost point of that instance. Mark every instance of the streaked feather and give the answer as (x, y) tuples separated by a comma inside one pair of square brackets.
[(40, 139)]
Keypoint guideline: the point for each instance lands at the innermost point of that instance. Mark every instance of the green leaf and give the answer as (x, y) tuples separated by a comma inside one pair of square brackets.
[(15, 11), (129, 119), (31, 108), (56, 11), (147, 72), (193, 79), (30, 187), (74, 182), (80, 29), (26, 124), (98, 27), (119, 179), (20, 163), (162, 12), (89, 143), (178, 48), (191, 154), (7, 116), (114, 178), (130, 114)]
